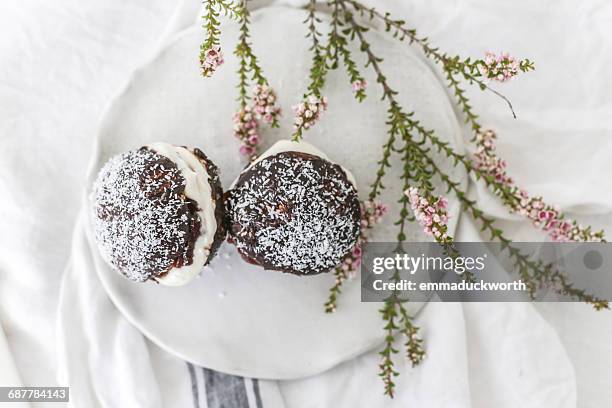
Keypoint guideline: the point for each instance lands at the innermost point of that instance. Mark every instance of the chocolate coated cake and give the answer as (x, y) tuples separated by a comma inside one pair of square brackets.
[(158, 213), (293, 212)]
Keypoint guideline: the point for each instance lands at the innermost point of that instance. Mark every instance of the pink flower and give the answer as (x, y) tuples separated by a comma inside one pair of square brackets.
[(485, 162), (246, 150), (213, 54), (264, 100), (430, 212), (246, 129), (443, 202), (372, 212), (212, 60), (499, 68), (307, 113), (545, 215), (253, 139), (359, 85)]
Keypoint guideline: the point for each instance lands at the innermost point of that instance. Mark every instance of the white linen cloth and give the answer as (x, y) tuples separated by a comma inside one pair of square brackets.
[(61, 61), (559, 147), (8, 372)]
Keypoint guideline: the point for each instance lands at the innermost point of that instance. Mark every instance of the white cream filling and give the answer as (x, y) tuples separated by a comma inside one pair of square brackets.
[(197, 188), (301, 147)]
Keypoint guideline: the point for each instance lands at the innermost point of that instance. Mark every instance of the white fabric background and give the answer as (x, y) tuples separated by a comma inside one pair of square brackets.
[(61, 62)]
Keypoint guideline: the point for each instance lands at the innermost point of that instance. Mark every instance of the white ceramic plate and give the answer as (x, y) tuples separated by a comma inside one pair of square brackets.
[(238, 318)]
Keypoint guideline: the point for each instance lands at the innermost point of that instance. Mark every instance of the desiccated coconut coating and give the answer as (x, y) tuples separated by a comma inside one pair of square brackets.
[(143, 222), (294, 212)]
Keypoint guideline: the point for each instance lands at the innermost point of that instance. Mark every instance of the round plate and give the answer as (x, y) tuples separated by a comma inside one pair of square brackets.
[(238, 318)]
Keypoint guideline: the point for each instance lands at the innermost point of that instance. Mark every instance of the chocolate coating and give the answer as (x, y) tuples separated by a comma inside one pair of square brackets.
[(293, 212)]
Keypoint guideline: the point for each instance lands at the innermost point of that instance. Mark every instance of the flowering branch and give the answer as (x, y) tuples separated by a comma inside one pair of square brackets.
[(394, 121), (453, 67), (430, 212), (414, 344), (469, 69), (387, 371), (533, 273), (488, 167), (338, 46), (318, 69), (308, 112), (211, 57), (415, 351), (263, 108), (500, 68), (542, 215)]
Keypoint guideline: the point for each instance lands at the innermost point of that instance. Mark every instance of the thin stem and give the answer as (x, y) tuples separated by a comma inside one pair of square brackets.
[(406, 177), (242, 52), (447, 62), (335, 291), (338, 46), (211, 26), (463, 102), (387, 372), (318, 72), (318, 69), (229, 8), (377, 186), (414, 344)]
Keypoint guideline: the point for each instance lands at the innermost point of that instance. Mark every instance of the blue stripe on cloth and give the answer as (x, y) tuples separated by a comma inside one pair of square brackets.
[(257, 393), (224, 390), (194, 385)]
